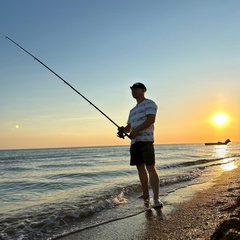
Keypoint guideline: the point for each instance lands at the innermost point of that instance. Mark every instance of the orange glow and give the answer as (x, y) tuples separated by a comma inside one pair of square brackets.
[(191, 125)]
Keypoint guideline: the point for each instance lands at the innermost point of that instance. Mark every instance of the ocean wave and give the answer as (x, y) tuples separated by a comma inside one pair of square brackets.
[(37, 225), (181, 178), (196, 163)]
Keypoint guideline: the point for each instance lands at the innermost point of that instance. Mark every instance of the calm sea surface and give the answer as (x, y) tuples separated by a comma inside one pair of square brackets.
[(46, 193)]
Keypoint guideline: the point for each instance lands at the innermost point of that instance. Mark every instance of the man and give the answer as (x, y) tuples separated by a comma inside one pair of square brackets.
[(140, 125)]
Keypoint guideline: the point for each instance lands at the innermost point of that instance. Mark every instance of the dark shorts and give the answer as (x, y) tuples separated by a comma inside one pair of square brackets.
[(142, 152)]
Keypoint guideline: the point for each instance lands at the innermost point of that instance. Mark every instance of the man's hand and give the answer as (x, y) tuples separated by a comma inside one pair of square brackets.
[(133, 134), (121, 132)]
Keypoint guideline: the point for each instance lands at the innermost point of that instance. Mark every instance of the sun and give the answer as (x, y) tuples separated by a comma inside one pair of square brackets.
[(220, 118)]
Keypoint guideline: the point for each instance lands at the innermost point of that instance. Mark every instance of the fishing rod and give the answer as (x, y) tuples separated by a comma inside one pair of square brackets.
[(120, 133)]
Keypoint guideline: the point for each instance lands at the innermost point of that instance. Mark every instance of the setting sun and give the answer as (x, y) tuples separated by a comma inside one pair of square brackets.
[(220, 119)]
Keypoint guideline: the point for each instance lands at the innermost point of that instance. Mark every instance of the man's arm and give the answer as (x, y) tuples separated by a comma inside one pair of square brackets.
[(127, 128), (147, 123)]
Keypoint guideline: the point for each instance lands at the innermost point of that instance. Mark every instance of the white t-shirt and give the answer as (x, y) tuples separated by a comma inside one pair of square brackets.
[(138, 115)]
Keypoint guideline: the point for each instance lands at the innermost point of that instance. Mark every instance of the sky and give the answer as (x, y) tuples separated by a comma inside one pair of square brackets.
[(187, 53)]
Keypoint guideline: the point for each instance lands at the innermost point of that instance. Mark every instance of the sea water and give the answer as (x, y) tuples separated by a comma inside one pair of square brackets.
[(46, 193)]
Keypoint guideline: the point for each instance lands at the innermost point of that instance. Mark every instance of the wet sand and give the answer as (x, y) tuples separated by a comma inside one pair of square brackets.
[(213, 213)]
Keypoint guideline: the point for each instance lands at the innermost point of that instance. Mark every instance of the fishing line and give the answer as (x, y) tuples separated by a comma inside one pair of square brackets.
[(77, 230), (120, 133)]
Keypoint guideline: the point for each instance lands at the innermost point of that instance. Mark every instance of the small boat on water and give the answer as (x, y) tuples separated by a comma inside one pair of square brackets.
[(219, 143)]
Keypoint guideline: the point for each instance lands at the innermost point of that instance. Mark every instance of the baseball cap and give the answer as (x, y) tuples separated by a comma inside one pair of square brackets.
[(138, 85)]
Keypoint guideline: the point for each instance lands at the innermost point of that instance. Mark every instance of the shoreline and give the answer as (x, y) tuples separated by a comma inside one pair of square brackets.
[(202, 216), (205, 214)]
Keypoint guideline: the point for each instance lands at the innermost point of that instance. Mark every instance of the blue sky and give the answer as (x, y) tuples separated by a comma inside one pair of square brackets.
[(186, 52)]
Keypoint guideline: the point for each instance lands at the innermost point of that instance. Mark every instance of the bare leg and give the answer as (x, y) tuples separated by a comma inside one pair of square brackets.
[(143, 176), (154, 181)]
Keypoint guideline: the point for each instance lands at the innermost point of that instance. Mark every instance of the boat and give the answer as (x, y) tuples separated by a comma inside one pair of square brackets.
[(219, 143)]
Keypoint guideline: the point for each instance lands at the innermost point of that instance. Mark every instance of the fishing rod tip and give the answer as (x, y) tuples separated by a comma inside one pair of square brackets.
[(3, 34)]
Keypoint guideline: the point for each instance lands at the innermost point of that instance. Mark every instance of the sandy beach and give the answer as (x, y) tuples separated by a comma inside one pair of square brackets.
[(213, 213)]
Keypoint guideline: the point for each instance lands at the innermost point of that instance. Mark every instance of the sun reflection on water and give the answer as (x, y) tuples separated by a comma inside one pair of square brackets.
[(228, 164), (221, 151)]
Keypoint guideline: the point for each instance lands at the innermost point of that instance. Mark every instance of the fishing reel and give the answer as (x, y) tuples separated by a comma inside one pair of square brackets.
[(121, 133)]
